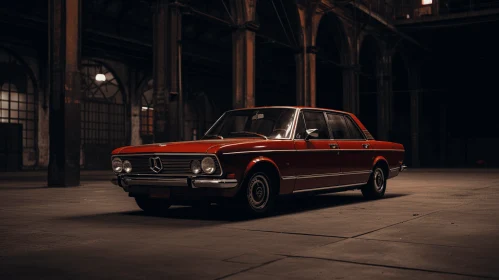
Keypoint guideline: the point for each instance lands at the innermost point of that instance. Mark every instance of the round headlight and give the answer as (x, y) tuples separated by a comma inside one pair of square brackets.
[(208, 165), (127, 166), (117, 165), (196, 166)]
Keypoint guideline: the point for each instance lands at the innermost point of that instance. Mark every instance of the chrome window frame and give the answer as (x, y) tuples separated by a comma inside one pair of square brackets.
[(352, 120), (296, 124), (297, 110)]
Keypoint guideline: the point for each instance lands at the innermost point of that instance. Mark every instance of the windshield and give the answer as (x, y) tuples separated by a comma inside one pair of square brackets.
[(268, 123)]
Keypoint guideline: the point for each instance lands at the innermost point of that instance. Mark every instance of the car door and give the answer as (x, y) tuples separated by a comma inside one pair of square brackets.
[(317, 159), (355, 149)]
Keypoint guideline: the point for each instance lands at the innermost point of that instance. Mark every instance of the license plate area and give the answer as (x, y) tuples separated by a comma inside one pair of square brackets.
[(159, 192)]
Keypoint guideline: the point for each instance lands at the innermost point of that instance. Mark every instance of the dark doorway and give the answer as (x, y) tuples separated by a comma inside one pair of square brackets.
[(329, 71), (368, 88)]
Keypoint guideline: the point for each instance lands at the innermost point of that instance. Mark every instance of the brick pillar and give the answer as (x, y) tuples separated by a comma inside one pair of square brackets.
[(306, 77), (243, 66), (65, 93)]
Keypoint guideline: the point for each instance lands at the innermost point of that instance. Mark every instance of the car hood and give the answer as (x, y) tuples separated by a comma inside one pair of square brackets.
[(198, 146)]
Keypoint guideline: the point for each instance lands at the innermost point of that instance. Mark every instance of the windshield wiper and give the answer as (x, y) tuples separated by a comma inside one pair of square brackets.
[(213, 136), (250, 133)]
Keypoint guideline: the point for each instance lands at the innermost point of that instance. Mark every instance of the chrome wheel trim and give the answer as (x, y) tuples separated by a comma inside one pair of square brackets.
[(379, 180), (258, 192)]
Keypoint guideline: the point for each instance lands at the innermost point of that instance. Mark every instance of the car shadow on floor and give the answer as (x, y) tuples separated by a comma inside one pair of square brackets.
[(216, 214), (285, 206)]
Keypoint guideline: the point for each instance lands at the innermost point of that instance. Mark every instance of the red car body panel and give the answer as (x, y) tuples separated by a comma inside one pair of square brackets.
[(302, 165)]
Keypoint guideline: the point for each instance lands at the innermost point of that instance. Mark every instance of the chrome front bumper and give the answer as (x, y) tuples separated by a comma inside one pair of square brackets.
[(194, 183), (403, 167)]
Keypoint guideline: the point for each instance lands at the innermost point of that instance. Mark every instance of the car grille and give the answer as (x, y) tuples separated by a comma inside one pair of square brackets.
[(174, 165)]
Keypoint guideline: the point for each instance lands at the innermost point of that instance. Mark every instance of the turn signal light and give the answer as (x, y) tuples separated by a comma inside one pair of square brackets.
[(231, 176)]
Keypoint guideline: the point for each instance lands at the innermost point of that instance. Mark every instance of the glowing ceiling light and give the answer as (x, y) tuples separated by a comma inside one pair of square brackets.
[(100, 77)]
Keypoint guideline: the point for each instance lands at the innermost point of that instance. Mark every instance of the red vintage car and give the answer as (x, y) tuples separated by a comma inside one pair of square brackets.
[(251, 156)]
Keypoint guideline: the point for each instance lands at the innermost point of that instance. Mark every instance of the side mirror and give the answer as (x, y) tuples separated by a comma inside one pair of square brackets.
[(312, 132)]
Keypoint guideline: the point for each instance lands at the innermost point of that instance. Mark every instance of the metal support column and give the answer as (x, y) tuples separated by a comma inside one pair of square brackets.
[(160, 100), (243, 66), (306, 77), (385, 96), (174, 75), (414, 84), (167, 56), (65, 93)]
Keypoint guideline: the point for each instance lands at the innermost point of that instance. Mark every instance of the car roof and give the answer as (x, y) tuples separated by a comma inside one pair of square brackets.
[(293, 107)]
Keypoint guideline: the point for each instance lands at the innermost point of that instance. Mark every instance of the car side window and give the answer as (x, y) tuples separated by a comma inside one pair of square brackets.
[(338, 126), (315, 119), (300, 127), (354, 130)]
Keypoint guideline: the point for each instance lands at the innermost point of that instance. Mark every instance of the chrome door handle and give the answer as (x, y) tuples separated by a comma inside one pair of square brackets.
[(333, 146), (365, 146)]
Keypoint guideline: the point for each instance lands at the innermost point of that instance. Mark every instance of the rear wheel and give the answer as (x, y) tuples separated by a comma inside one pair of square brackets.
[(376, 186), (153, 206)]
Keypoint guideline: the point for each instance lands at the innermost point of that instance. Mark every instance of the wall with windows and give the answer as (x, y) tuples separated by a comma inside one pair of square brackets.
[(19, 103), (145, 110), (106, 107), (105, 111)]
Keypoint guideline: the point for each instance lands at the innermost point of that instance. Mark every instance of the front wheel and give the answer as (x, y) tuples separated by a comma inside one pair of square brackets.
[(153, 206), (376, 186), (259, 197)]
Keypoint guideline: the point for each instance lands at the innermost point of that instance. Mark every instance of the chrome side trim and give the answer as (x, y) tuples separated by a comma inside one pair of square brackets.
[(317, 175), (219, 184), (328, 188), (326, 175), (357, 172), (316, 150)]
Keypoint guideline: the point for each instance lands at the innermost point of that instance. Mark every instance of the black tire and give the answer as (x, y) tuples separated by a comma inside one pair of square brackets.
[(376, 186), (258, 195), (153, 206)]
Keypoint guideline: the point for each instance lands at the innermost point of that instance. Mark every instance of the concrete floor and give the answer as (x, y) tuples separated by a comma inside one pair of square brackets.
[(433, 224)]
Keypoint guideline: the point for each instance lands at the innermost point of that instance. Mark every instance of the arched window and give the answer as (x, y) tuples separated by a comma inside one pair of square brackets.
[(147, 110), (18, 102), (104, 117)]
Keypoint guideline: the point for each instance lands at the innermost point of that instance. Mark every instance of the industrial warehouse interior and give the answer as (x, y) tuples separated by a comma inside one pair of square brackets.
[(85, 81)]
